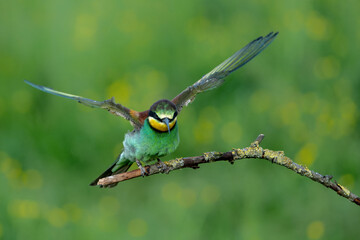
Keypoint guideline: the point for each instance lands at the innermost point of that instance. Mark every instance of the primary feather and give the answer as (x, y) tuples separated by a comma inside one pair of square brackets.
[(216, 77)]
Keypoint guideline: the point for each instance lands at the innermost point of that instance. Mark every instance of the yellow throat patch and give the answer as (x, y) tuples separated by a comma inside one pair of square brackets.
[(160, 126)]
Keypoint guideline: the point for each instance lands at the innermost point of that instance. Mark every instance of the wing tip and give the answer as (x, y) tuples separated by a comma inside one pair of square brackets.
[(42, 88), (270, 35), (267, 37), (29, 83)]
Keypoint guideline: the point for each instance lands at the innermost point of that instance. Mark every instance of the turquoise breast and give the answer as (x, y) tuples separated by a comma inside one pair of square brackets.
[(149, 144)]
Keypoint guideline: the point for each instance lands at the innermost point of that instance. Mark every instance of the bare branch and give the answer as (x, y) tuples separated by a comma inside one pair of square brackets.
[(254, 151)]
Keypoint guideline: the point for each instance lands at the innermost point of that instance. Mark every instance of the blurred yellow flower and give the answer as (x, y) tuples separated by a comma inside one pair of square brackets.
[(294, 20), (186, 197), (347, 180), (21, 101), (85, 28), (73, 211), (109, 205), (260, 101), (170, 191), (315, 230), (137, 227), (129, 22), (120, 90), (231, 132), (204, 131), (204, 128), (317, 26), (149, 78), (307, 154), (32, 179), (24, 209), (327, 67), (2, 107), (290, 113), (57, 217), (210, 194)]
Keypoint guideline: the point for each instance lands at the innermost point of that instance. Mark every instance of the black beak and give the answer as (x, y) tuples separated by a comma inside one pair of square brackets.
[(166, 121)]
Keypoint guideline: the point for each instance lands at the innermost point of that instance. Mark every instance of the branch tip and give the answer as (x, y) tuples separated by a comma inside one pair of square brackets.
[(260, 138)]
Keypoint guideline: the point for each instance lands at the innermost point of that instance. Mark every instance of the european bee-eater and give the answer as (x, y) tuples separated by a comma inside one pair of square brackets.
[(155, 131)]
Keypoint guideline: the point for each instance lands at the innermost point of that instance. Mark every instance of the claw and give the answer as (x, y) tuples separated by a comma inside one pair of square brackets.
[(142, 169), (163, 167)]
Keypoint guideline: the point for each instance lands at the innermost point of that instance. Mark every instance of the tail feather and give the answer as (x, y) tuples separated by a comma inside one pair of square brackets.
[(109, 172)]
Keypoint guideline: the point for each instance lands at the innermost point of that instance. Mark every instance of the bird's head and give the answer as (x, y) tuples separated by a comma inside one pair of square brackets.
[(162, 115)]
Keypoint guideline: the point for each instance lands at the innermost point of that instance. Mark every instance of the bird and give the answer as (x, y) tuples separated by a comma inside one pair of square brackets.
[(156, 130)]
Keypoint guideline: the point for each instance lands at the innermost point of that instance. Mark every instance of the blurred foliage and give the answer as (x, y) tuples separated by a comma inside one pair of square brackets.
[(302, 92)]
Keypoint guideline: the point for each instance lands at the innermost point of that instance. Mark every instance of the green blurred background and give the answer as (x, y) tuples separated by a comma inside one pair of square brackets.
[(301, 92)]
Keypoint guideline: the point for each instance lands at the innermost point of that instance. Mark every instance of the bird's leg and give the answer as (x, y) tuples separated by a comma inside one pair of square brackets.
[(163, 167), (142, 169)]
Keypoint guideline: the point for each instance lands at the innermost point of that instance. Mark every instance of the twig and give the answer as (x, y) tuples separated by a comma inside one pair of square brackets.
[(254, 151)]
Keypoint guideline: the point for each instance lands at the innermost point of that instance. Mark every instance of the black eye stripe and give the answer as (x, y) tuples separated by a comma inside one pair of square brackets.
[(154, 115), (174, 116)]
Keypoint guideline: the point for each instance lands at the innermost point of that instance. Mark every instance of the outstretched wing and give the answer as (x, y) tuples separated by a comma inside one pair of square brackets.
[(217, 76), (117, 109)]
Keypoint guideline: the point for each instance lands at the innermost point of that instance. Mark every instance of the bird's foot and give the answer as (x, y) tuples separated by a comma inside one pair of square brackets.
[(143, 170), (163, 167)]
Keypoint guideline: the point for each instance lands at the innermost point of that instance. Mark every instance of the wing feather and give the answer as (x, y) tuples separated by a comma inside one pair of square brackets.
[(216, 77), (110, 105)]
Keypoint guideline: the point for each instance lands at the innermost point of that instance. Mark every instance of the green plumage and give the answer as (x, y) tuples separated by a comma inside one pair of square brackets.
[(155, 131), (147, 145)]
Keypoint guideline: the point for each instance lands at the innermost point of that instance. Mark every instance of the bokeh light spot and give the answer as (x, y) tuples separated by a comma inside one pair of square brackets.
[(120, 90), (325, 121), (231, 132), (315, 230), (170, 191), (197, 27), (57, 217), (260, 101), (317, 26), (310, 103), (73, 211), (204, 131), (327, 67), (348, 112), (21, 101), (186, 198), (340, 45), (290, 113), (2, 107), (205, 126), (153, 79), (32, 179), (307, 154), (212, 113), (24, 209), (129, 22), (210, 194), (11, 168), (5, 163), (85, 29), (347, 180), (294, 20), (137, 227), (109, 205)]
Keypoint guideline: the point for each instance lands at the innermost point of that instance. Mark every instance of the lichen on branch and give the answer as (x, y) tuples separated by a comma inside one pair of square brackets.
[(254, 152)]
